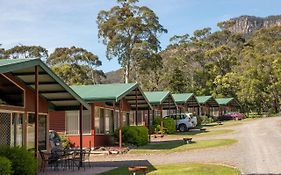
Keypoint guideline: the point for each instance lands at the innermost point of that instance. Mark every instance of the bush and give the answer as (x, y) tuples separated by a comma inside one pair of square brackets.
[(136, 135), (168, 123), (206, 119), (5, 166), (23, 162), (66, 143)]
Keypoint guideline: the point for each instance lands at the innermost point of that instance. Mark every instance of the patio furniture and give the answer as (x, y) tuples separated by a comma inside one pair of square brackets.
[(187, 140), (135, 169), (47, 159)]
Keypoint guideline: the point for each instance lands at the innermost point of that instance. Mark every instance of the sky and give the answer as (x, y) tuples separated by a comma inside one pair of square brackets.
[(65, 23)]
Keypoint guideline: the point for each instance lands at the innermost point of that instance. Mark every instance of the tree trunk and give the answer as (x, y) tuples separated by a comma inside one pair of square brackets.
[(127, 69)]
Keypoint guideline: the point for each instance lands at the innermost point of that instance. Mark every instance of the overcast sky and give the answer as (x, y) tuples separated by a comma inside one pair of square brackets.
[(63, 23)]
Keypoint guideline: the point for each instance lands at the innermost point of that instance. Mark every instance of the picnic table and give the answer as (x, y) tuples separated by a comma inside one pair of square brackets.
[(187, 139), (135, 169)]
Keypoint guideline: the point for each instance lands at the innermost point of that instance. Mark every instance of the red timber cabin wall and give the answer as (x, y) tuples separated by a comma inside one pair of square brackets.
[(57, 123), (29, 104)]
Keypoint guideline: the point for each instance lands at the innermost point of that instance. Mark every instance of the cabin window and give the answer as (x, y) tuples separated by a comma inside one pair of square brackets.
[(72, 122), (104, 121)]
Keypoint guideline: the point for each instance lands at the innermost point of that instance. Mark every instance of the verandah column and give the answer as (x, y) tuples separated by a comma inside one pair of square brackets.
[(120, 123), (81, 133), (36, 110), (161, 119), (93, 123), (136, 107), (148, 124)]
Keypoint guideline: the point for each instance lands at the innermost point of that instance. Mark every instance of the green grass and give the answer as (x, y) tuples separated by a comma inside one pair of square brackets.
[(182, 169), (207, 132), (180, 146)]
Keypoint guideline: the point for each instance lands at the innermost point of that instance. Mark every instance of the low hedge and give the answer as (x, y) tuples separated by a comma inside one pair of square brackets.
[(5, 166), (136, 135), (168, 123), (23, 162)]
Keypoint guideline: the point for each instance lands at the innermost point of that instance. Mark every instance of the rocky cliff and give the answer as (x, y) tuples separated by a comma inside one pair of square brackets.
[(248, 24)]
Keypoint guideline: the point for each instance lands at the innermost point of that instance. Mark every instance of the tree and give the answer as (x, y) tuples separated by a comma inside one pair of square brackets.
[(22, 51), (75, 65), (177, 82), (2, 53), (125, 27)]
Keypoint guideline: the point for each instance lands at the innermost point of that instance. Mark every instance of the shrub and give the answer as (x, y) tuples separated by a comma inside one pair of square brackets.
[(136, 135), (5, 166), (66, 143), (23, 162), (206, 119), (168, 123)]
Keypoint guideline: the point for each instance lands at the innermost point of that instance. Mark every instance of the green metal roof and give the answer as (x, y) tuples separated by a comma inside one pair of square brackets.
[(224, 101), (113, 93), (156, 97), (163, 98), (182, 98), (203, 99), (227, 101), (207, 100), (51, 87), (104, 92)]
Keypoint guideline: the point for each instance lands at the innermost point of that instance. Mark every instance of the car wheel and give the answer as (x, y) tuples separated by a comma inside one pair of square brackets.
[(183, 128)]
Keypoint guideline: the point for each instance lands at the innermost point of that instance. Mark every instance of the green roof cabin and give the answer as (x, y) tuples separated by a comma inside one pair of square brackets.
[(29, 91), (187, 102), (228, 105), (112, 106), (208, 105)]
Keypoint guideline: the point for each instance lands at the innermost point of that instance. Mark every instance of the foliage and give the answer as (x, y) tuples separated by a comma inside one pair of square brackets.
[(22, 51), (66, 143), (5, 166), (136, 135), (75, 65), (23, 162), (130, 33), (169, 125), (206, 119)]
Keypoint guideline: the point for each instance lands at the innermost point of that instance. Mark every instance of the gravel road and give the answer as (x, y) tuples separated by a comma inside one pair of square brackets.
[(258, 150)]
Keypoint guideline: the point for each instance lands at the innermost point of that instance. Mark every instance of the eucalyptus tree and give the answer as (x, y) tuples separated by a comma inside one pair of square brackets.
[(125, 27), (75, 65), (22, 51)]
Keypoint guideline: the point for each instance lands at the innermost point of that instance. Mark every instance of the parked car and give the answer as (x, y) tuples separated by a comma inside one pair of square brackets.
[(184, 121), (232, 116)]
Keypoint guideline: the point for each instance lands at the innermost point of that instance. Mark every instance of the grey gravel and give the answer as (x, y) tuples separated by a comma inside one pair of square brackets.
[(258, 150)]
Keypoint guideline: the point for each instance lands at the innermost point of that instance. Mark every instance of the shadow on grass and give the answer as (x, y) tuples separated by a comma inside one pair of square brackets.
[(192, 132), (163, 145), (123, 166)]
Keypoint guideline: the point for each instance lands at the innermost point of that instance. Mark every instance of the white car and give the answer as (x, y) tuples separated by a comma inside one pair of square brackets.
[(184, 121)]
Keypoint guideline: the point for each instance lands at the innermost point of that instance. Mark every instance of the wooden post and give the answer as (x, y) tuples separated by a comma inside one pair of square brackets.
[(36, 111), (136, 107), (148, 124), (153, 116), (81, 133), (93, 123), (161, 119), (120, 123), (169, 109)]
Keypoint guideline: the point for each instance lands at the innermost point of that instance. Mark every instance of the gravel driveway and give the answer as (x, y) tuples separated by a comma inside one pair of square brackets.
[(257, 152)]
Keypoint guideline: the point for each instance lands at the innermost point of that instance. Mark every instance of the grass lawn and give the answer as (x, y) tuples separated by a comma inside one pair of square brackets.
[(195, 133), (227, 123), (179, 146), (182, 169)]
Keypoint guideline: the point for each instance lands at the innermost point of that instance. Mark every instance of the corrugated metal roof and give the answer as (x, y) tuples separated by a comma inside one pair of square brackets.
[(103, 92), (182, 98), (224, 101), (59, 95), (203, 99), (227, 101), (156, 97)]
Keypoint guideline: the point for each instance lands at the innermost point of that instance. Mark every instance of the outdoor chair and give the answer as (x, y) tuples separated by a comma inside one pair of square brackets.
[(46, 159), (86, 157)]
